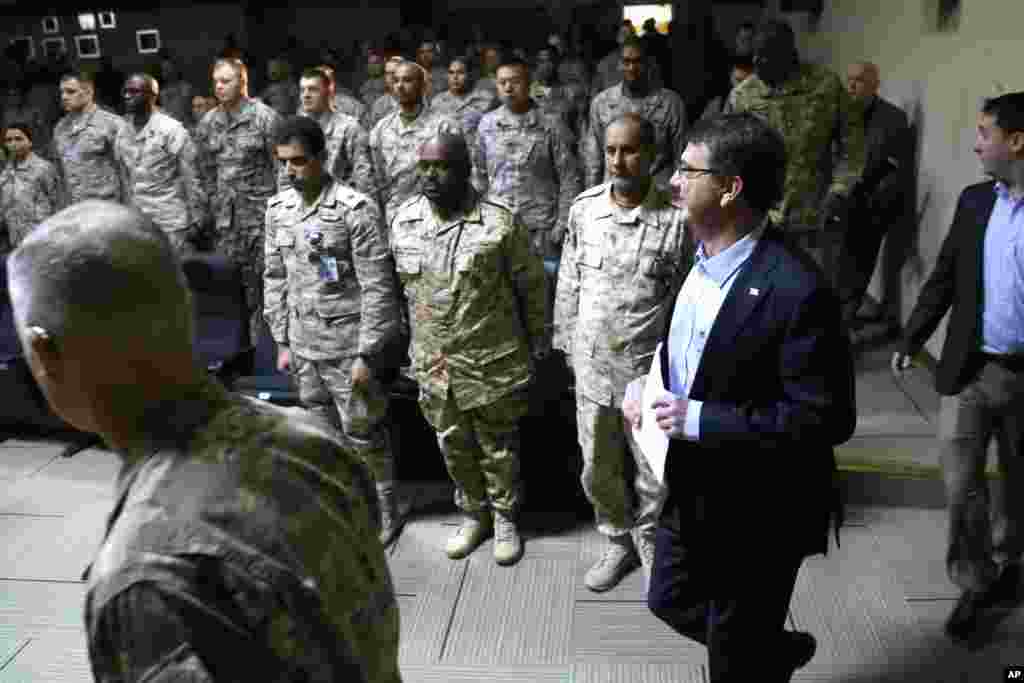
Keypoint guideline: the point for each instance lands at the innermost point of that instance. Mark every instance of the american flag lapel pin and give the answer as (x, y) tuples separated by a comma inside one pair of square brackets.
[(754, 291)]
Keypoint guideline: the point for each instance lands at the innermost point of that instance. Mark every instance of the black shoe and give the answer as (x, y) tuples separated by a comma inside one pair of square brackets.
[(1006, 589), (962, 623), (801, 647)]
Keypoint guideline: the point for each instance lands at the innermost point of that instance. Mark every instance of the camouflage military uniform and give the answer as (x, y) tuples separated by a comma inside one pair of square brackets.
[(560, 101), (608, 71), (467, 110), (620, 271), (347, 104), (371, 90), (29, 194), (437, 81), (348, 152), (813, 112), (239, 169), (242, 547), (330, 297), (158, 165), (382, 106), (527, 163), (35, 117), (661, 107), (281, 96), (476, 296), (84, 153), (176, 101), (395, 146), (574, 70)]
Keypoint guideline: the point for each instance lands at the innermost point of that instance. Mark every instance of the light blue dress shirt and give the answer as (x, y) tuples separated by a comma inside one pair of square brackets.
[(697, 306), (1003, 276)]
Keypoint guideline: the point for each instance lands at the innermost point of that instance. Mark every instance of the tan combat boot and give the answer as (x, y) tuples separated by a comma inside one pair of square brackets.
[(508, 546), (618, 560), (474, 530)]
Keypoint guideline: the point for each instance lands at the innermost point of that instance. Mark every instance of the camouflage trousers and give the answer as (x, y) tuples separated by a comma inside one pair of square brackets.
[(361, 417), (243, 244), (620, 506), (481, 449)]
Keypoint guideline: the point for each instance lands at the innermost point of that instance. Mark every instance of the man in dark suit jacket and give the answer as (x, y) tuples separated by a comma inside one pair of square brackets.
[(760, 388), (880, 202), (980, 275)]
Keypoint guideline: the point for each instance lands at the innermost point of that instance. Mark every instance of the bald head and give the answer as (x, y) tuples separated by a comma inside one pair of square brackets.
[(100, 269), (446, 147), (862, 80), (443, 170)]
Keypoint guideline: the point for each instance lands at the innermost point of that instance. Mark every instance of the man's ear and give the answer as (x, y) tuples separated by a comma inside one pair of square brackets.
[(733, 190), (1016, 143), (42, 349)]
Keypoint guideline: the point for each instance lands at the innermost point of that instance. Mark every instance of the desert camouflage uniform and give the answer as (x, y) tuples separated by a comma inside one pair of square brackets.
[(620, 271), (467, 110), (29, 194), (395, 147), (158, 167), (239, 170), (382, 106), (348, 152), (527, 163), (176, 101), (242, 546), (330, 297), (476, 294), (814, 114), (84, 152), (371, 90), (281, 96), (661, 107)]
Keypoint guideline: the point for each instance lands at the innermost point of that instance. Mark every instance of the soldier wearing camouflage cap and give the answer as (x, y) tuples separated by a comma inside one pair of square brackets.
[(242, 542), (331, 302), (476, 305), (626, 254)]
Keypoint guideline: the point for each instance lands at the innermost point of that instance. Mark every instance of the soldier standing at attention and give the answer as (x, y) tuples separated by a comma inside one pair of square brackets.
[(175, 94), (636, 93), (29, 190), (460, 101), (808, 105), (476, 302), (396, 139), (348, 146), (236, 160), (83, 142), (523, 158), (241, 545), (375, 86), (157, 160), (331, 303), (626, 255), (386, 103), (282, 93)]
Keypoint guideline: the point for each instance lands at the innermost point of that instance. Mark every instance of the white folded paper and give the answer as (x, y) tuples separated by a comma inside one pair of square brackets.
[(653, 442)]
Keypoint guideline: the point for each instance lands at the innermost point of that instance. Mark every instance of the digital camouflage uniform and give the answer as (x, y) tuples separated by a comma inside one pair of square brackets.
[(620, 272), (527, 163), (281, 96), (330, 297), (161, 178), (475, 293), (382, 106), (661, 107), (824, 134), (176, 101), (348, 152), (436, 81), (558, 100), (29, 194), (346, 104), (395, 146), (371, 90), (467, 110), (84, 154), (241, 547), (35, 117), (239, 170)]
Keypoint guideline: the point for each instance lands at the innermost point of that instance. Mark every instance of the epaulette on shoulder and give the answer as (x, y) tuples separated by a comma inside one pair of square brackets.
[(348, 196), (280, 197), (591, 192)]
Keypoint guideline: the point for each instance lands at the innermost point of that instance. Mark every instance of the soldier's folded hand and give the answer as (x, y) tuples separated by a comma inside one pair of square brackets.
[(632, 409), (361, 373)]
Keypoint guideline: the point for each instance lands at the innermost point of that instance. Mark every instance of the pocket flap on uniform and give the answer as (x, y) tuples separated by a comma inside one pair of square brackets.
[(336, 306), (592, 255), (285, 238), (408, 260)]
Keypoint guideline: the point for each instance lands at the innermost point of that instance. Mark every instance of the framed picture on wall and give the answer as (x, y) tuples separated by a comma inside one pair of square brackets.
[(51, 25), (24, 47), (148, 41), (53, 47), (88, 46), (107, 20)]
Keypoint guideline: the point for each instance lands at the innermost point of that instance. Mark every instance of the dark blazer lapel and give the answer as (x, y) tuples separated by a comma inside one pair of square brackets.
[(751, 287)]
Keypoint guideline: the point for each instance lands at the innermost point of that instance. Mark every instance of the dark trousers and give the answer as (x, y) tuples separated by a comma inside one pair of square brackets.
[(858, 256), (738, 611)]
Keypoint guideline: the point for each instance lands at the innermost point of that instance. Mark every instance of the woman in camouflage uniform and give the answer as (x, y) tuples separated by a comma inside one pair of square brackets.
[(28, 186)]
